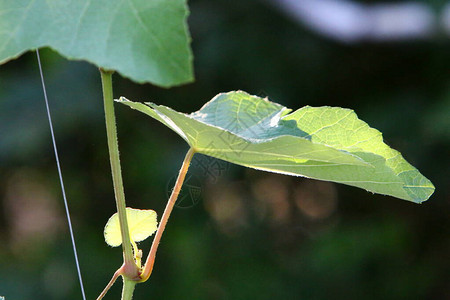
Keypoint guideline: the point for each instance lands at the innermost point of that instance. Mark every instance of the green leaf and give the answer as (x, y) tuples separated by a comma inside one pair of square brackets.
[(141, 222), (326, 143), (144, 40)]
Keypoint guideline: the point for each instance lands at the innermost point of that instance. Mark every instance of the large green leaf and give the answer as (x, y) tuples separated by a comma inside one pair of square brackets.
[(145, 40), (326, 143)]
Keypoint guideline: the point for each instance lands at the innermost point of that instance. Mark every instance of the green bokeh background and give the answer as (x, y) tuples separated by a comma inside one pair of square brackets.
[(247, 234)]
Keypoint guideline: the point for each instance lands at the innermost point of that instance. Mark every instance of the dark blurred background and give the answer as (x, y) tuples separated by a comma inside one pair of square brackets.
[(237, 233)]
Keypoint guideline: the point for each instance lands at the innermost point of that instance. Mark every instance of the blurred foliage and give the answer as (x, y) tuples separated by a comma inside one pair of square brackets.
[(250, 235)]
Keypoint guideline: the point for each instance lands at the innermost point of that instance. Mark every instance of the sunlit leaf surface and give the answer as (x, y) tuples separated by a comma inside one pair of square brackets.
[(145, 40), (142, 223), (326, 143)]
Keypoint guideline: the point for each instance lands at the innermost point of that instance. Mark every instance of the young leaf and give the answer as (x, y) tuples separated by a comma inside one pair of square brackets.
[(141, 222), (326, 143), (145, 40)]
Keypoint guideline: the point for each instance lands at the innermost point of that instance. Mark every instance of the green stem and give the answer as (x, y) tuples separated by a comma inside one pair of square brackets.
[(128, 288), (165, 217), (130, 269)]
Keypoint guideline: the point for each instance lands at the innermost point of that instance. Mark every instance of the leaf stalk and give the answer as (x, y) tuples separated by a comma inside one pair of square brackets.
[(165, 217), (110, 284)]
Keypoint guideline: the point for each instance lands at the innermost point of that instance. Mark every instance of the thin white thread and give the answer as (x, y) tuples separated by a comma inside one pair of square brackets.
[(60, 176)]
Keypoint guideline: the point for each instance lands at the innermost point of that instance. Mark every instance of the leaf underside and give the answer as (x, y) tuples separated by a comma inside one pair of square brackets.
[(144, 40), (325, 143), (142, 223)]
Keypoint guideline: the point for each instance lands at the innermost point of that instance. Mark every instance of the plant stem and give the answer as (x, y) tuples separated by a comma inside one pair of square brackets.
[(128, 288), (130, 269), (110, 284), (165, 217)]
